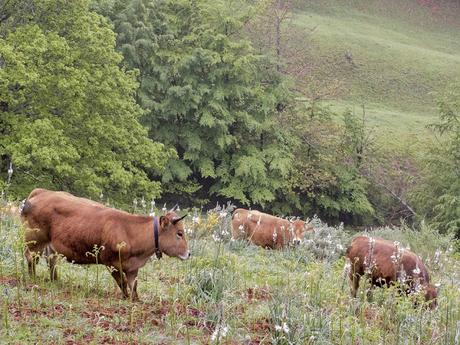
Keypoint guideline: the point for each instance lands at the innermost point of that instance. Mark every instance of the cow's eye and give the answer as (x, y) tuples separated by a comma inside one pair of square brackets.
[(180, 234)]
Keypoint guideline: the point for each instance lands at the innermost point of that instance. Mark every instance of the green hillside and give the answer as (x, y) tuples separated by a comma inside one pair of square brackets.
[(400, 54)]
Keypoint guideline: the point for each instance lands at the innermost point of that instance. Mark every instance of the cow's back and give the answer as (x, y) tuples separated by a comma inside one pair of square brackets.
[(384, 259), (69, 224), (260, 228)]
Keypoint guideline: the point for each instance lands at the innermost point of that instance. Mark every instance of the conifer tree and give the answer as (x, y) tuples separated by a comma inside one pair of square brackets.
[(206, 94)]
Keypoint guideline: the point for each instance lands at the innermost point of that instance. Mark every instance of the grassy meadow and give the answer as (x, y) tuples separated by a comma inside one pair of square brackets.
[(403, 56), (229, 292)]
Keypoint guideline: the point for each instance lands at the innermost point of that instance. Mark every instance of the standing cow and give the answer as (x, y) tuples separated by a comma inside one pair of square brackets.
[(266, 230), (59, 222), (385, 262)]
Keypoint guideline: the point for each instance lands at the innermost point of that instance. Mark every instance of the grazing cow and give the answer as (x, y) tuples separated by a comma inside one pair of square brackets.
[(80, 229), (266, 230), (385, 262)]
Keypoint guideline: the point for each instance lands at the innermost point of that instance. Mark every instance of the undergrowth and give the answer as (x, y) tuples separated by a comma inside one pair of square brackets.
[(229, 292)]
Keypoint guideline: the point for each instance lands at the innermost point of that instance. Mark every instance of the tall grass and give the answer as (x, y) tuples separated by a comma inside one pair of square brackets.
[(229, 292)]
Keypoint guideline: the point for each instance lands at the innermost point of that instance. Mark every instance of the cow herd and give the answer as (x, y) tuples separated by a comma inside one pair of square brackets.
[(59, 223)]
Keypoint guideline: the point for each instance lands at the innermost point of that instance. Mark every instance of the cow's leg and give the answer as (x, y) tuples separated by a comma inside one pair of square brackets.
[(32, 261), (35, 245), (354, 282), (52, 258), (121, 281), (132, 283)]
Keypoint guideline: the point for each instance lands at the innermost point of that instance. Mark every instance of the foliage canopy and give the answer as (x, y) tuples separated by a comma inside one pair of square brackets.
[(68, 116), (207, 94)]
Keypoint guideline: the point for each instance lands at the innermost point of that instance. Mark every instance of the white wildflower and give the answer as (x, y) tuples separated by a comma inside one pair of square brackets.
[(416, 270), (285, 328), (195, 219), (347, 267), (10, 172), (437, 256), (219, 333), (369, 261), (216, 237), (278, 328), (402, 276)]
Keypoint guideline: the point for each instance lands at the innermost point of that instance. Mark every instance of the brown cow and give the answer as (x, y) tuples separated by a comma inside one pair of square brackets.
[(385, 262), (73, 227), (266, 230)]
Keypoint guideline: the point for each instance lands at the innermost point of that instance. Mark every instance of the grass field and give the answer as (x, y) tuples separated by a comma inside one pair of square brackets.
[(229, 292), (403, 56)]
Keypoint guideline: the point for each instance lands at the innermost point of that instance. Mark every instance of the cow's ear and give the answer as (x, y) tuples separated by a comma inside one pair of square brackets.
[(164, 222)]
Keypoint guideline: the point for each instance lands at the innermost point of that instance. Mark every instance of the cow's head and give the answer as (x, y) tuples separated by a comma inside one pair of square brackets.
[(171, 237), (431, 295), (299, 230)]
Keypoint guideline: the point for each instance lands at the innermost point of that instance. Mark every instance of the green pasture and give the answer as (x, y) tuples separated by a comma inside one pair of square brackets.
[(401, 57), (229, 292)]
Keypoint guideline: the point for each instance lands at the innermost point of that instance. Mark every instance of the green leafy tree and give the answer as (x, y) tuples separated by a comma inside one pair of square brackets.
[(327, 178), (438, 195), (209, 96), (68, 116)]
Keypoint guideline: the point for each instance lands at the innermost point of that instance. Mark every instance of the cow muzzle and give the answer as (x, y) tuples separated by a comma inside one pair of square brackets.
[(296, 242), (185, 256)]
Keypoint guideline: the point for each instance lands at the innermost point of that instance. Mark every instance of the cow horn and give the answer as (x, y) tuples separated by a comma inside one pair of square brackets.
[(175, 220), (174, 208)]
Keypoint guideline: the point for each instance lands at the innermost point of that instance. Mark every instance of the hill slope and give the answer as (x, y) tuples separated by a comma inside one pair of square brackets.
[(393, 56)]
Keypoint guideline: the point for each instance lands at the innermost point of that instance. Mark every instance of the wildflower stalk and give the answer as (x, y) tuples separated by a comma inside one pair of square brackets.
[(5, 318), (95, 253)]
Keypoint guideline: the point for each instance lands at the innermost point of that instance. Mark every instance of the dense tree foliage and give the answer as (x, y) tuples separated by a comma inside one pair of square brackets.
[(207, 94), (438, 194), (326, 178), (189, 109), (68, 117)]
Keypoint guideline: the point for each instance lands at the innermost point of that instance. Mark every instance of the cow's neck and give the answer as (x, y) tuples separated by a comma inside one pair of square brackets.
[(142, 237)]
